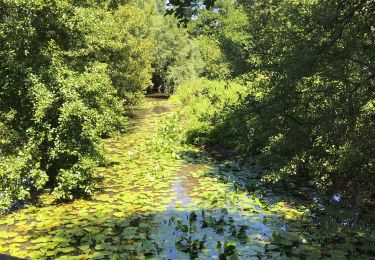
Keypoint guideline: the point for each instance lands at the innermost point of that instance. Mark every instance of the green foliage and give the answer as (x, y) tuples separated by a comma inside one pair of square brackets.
[(222, 36), (309, 71), (215, 66), (318, 83), (177, 57), (207, 104), (185, 10), (67, 70), (209, 46), (129, 50)]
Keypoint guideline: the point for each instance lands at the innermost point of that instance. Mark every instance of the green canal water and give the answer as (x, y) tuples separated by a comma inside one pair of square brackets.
[(163, 199)]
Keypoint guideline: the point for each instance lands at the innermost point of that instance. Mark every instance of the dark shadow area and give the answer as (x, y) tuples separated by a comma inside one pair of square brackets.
[(8, 257), (291, 150), (333, 221), (158, 95), (219, 153)]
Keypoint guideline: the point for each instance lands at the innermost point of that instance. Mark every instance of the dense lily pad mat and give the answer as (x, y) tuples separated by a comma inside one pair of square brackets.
[(162, 199)]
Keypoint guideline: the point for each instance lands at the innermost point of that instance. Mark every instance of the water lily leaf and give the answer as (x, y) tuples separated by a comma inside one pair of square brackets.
[(41, 240), (100, 247), (103, 197), (147, 246), (99, 255), (124, 223), (7, 221), (52, 253), (85, 248), (224, 211), (66, 249), (232, 257), (93, 230), (129, 233), (5, 234), (119, 214), (272, 247), (255, 248), (21, 239), (100, 238), (285, 242), (34, 254), (24, 228), (144, 225)]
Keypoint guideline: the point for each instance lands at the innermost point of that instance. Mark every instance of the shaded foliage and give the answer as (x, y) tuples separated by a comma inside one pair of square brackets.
[(185, 10), (309, 71), (177, 56), (317, 82), (222, 38)]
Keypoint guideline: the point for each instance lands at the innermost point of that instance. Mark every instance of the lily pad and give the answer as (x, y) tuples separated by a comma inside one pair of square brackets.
[(41, 240), (6, 235), (119, 214), (66, 249)]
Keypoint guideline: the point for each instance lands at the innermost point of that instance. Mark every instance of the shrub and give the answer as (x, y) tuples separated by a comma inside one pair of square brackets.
[(67, 70), (207, 104)]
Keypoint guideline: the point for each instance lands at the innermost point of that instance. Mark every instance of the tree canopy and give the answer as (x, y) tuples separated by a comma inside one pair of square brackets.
[(309, 69)]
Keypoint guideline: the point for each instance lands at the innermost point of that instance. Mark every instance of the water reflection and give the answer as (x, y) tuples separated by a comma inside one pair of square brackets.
[(337, 197)]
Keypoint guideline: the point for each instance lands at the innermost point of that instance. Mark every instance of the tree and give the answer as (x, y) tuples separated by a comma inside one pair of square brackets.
[(177, 56), (222, 37), (65, 69), (317, 63), (309, 68)]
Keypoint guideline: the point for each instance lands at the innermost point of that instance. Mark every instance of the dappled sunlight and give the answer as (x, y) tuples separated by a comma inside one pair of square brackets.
[(169, 201), (187, 129)]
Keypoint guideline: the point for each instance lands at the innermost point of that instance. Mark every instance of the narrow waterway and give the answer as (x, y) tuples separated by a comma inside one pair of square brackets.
[(163, 199)]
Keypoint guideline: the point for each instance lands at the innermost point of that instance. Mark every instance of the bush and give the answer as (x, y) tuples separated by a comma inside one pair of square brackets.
[(177, 56), (309, 112), (67, 70), (207, 104)]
